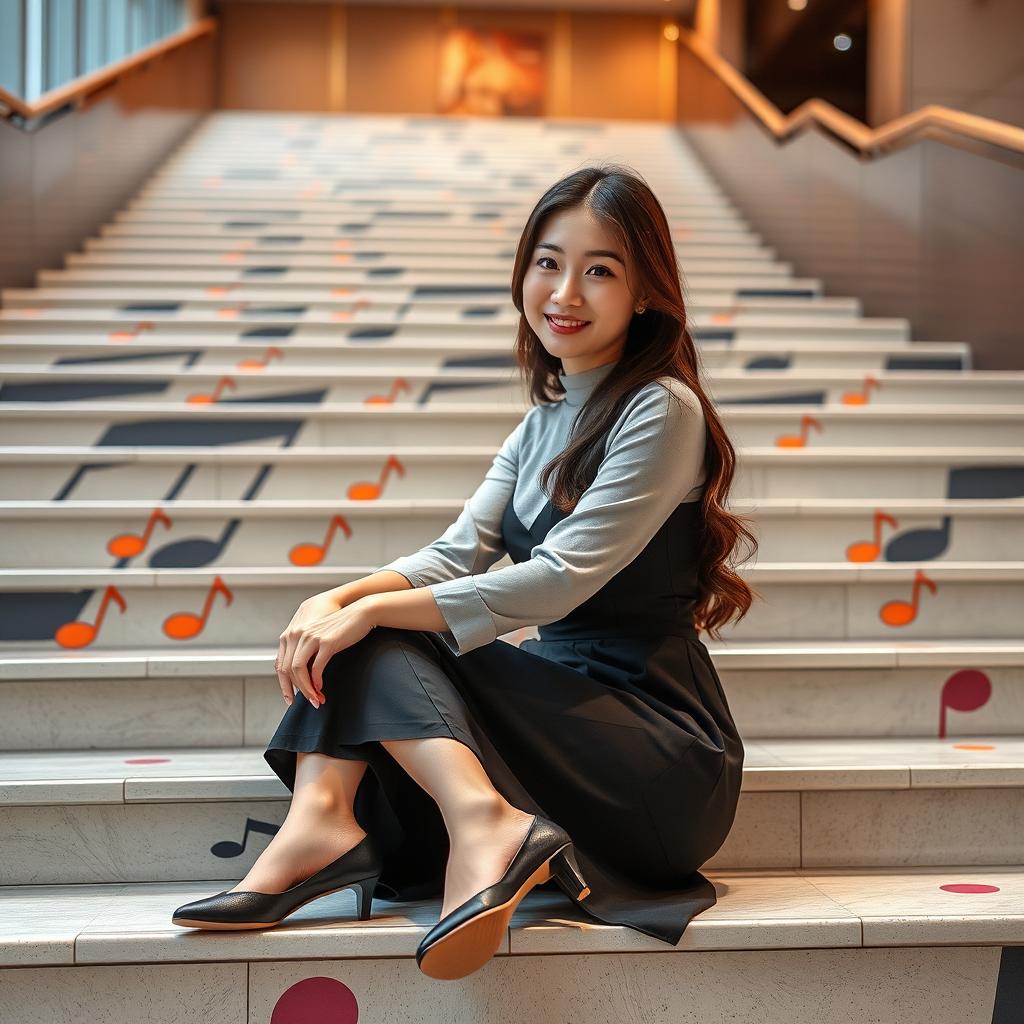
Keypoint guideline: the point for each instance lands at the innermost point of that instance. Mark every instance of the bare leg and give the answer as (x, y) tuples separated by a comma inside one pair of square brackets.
[(319, 828), (484, 829)]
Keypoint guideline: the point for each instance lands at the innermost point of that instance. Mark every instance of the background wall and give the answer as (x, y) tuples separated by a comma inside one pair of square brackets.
[(383, 59)]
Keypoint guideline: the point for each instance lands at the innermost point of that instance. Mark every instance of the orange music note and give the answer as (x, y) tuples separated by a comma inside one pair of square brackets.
[(800, 440), (81, 634), (128, 545), (313, 554), (401, 384), (203, 399), (868, 551), (185, 625), (364, 491), (861, 397), (902, 613), (145, 325), (725, 317), (217, 290), (262, 363)]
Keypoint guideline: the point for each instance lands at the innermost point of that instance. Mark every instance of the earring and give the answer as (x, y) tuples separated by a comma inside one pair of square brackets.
[(641, 309)]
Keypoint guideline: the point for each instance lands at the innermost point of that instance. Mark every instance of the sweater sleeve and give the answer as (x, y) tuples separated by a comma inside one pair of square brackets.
[(654, 459), (474, 541)]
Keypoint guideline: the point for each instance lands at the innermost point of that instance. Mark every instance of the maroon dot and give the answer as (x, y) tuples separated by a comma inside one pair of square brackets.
[(147, 760), (316, 1001), (968, 887)]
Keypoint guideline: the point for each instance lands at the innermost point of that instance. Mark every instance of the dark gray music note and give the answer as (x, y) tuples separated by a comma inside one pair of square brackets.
[(921, 544), (229, 848)]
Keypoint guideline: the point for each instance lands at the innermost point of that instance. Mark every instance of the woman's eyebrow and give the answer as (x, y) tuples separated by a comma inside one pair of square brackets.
[(592, 252)]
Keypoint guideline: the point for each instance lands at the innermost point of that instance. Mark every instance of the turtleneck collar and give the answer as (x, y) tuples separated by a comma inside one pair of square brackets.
[(578, 386)]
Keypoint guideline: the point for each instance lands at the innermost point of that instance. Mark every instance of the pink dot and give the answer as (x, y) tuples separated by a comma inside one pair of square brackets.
[(968, 887), (147, 760), (316, 1001)]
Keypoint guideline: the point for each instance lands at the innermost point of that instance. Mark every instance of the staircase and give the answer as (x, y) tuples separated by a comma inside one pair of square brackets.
[(287, 362)]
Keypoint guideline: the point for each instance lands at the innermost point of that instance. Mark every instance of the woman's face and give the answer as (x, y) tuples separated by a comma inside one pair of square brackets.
[(562, 279)]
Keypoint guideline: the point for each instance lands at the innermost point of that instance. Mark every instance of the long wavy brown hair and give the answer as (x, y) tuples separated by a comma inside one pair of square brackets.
[(658, 344)]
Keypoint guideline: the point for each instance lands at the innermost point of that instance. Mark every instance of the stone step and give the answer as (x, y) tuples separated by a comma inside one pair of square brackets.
[(742, 326), (41, 609), (214, 351), (77, 533), (842, 689), (199, 299), (149, 814), (300, 418), (406, 386), (158, 469)]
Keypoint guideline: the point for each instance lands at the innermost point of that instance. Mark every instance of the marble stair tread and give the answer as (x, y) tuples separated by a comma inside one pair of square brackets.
[(502, 375), (182, 774), (898, 455), (289, 576), (16, 508), (234, 662), (787, 908)]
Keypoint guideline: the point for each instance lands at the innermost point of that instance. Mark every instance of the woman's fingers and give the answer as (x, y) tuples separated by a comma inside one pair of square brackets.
[(279, 667), (305, 649)]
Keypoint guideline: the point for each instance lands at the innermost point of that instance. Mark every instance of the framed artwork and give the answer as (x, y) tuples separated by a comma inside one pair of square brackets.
[(491, 72)]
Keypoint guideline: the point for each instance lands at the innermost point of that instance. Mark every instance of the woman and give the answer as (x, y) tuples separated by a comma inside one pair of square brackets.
[(603, 755)]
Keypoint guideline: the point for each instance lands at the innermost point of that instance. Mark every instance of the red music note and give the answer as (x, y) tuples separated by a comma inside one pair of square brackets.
[(799, 440), (81, 634), (364, 491), (868, 551), (128, 545), (185, 625), (861, 397), (902, 613), (203, 399), (261, 364), (313, 554), (966, 690), (401, 384)]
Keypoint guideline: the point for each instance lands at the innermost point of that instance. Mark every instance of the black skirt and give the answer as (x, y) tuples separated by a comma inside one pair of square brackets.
[(625, 741)]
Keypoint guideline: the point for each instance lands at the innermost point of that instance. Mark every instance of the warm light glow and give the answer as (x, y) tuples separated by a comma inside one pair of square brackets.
[(797, 5), (671, 32), (842, 41)]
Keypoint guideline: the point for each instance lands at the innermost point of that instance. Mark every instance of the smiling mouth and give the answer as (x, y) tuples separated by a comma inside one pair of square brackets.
[(565, 322)]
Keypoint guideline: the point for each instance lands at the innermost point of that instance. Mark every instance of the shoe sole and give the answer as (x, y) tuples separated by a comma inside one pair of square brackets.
[(242, 925), (467, 948)]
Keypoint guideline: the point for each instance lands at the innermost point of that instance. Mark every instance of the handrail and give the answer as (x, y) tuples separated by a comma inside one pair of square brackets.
[(868, 141), (80, 88)]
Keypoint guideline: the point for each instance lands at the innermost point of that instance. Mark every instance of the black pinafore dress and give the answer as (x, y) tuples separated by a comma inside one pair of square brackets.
[(613, 724)]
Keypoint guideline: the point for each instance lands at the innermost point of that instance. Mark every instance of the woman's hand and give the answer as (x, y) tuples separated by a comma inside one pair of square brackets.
[(317, 631)]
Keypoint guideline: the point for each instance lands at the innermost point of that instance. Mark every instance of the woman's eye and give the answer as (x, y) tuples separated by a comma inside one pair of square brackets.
[(548, 259)]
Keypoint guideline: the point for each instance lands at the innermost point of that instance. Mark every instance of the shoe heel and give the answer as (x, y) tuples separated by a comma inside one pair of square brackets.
[(364, 896), (567, 873)]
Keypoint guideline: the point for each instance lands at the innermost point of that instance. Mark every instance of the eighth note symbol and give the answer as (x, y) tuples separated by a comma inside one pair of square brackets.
[(229, 848), (401, 384), (128, 545), (185, 625), (203, 399), (861, 397), (81, 634), (365, 491), (313, 554), (902, 613), (798, 440), (868, 551), (262, 363)]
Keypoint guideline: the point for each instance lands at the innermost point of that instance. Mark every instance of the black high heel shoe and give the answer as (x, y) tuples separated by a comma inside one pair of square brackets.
[(357, 869), (469, 936)]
